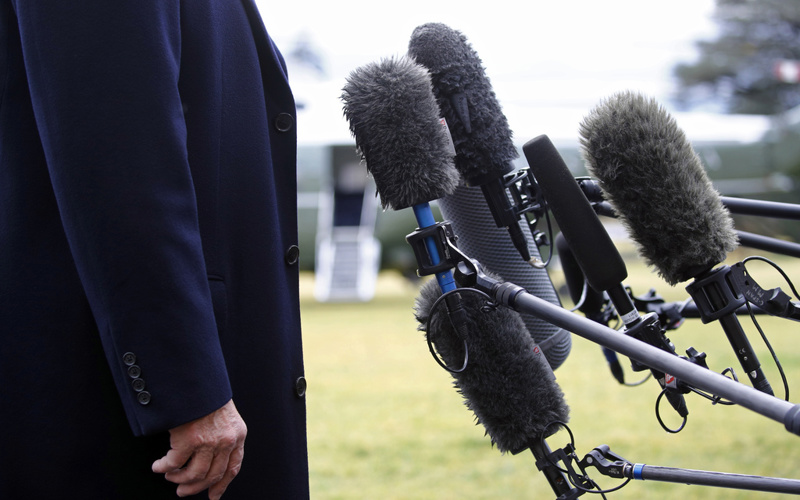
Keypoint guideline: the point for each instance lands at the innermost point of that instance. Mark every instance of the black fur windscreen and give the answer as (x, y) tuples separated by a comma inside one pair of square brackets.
[(507, 383), (481, 239), (480, 130), (394, 118), (656, 183)]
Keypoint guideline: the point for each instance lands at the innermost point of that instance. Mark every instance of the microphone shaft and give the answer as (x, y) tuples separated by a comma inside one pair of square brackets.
[(773, 209), (717, 300), (769, 244), (557, 479)]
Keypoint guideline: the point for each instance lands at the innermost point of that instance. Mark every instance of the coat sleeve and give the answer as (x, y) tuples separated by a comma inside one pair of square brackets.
[(103, 77)]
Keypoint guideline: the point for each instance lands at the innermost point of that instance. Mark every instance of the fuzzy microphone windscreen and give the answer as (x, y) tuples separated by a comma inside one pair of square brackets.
[(507, 383), (657, 185), (480, 130), (395, 120)]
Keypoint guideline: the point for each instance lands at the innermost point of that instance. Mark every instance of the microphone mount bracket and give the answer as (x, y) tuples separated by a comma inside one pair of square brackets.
[(715, 294), (525, 194), (774, 302), (442, 236)]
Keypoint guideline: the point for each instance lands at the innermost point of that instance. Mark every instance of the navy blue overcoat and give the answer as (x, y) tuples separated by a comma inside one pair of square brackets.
[(148, 258)]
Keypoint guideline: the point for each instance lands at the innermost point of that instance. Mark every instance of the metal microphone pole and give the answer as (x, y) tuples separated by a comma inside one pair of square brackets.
[(612, 465), (759, 208), (468, 273)]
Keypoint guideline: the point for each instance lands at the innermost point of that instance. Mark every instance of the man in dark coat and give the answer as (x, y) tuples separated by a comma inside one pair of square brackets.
[(148, 260)]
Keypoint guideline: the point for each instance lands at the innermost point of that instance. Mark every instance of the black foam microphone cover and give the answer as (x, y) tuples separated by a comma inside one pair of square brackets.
[(587, 237), (593, 301), (481, 239), (655, 181), (507, 382)]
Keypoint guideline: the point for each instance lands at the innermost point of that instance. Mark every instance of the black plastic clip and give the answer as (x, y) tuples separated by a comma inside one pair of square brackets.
[(714, 295), (442, 237)]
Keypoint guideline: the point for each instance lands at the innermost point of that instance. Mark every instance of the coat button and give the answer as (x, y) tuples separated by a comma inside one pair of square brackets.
[(143, 398), (300, 386), (129, 358), (292, 254), (138, 385), (284, 122), (134, 371)]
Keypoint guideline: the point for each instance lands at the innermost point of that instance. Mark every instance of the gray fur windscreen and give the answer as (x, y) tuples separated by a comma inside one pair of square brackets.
[(656, 183), (394, 118), (480, 238), (507, 383), (481, 133)]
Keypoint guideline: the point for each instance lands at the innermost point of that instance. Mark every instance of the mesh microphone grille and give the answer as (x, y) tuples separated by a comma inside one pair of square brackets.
[(481, 239)]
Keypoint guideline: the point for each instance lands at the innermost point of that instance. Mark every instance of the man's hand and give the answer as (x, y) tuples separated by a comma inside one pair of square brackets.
[(205, 453)]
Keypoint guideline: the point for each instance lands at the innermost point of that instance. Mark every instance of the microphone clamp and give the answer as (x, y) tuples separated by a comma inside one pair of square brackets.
[(774, 301), (442, 236), (715, 294)]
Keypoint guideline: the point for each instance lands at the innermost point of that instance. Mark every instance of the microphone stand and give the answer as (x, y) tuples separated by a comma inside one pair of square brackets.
[(613, 465), (468, 273), (739, 206)]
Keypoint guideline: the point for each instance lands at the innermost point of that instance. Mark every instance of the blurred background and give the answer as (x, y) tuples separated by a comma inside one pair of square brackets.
[(384, 421)]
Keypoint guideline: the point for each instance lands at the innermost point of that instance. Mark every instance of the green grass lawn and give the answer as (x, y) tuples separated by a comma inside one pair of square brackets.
[(385, 423)]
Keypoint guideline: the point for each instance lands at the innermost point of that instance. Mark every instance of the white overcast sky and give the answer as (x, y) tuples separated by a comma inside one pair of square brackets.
[(559, 54)]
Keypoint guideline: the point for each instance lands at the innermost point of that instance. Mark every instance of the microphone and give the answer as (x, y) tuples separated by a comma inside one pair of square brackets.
[(481, 239), (485, 152), (396, 124), (588, 301), (390, 108), (481, 135), (651, 175), (507, 382), (594, 251), (655, 181)]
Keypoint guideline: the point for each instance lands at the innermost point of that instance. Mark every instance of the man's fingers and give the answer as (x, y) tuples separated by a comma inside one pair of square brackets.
[(194, 471), (213, 447), (173, 460), (233, 468), (212, 470)]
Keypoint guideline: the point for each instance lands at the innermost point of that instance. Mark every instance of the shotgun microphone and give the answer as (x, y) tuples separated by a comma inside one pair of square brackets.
[(507, 382), (651, 175), (481, 239), (590, 302), (481, 135), (397, 127), (396, 124), (594, 251), (655, 181), (485, 152)]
